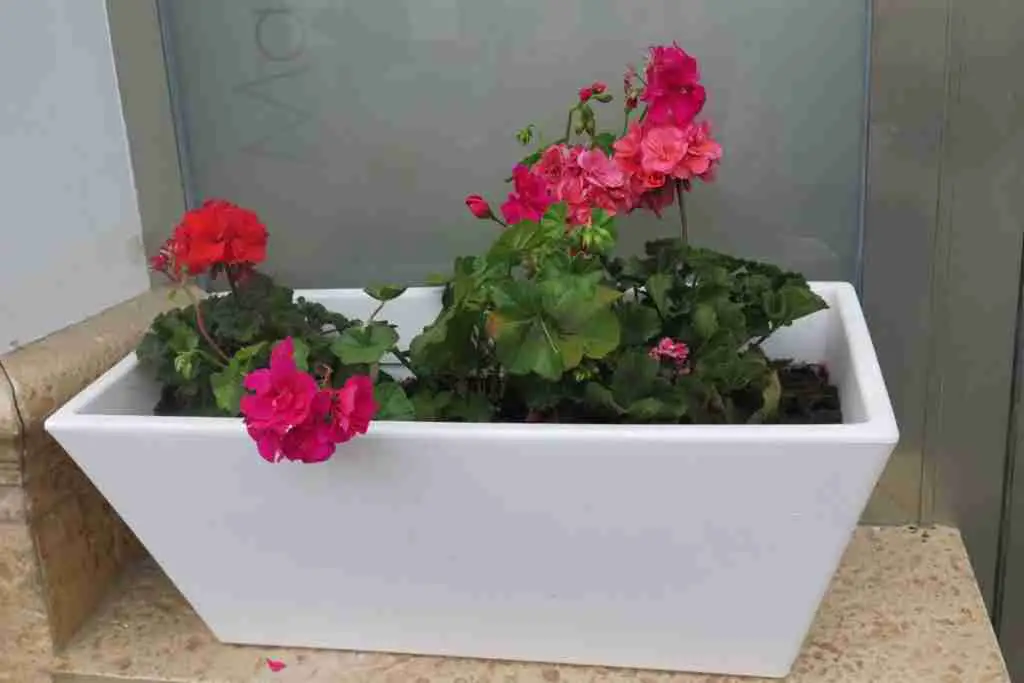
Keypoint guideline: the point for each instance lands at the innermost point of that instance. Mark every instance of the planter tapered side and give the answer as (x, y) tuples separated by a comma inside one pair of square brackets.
[(697, 548)]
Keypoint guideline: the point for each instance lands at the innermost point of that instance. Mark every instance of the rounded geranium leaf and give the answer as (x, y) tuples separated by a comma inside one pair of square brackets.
[(384, 292)]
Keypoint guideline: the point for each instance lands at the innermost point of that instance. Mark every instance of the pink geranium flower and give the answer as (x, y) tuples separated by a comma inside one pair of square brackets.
[(651, 156), (600, 170), (553, 164), (702, 154), (312, 440), (283, 396), (530, 199), (673, 92), (628, 150), (584, 179), (670, 349), (291, 418), (352, 409), (662, 149)]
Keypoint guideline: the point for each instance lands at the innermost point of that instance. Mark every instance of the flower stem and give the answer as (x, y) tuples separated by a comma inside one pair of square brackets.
[(498, 221), (684, 232), (375, 312), (403, 358), (568, 124), (202, 327), (233, 284)]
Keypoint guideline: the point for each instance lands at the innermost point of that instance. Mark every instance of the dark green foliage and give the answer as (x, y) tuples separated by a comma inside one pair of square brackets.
[(544, 331), (197, 380), (545, 326)]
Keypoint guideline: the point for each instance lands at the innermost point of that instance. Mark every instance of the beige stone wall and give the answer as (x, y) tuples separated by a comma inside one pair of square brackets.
[(61, 545)]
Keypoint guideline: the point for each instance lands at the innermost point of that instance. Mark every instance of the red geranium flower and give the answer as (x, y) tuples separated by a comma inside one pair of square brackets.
[(219, 233)]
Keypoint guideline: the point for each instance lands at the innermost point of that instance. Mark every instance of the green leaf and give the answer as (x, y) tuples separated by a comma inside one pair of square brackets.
[(470, 408), (639, 323), (438, 279), (539, 394), (430, 405), (227, 384), (364, 345), (384, 293), (514, 240), (228, 390), (705, 320), (800, 301), (393, 403), (601, 397), (633, 269), (770, 397), (552, 223), (530, 160), (598, 336), (548, 327), (183, 337), (646, 409), (634, 376), (449, 344), (228, 319), (184, 364), (657, 287), (604, 141), (300, 352), (527, 345)]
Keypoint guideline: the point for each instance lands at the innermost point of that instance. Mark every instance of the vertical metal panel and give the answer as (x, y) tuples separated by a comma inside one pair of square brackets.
[(145, 100), (981, 204), (905, 142)]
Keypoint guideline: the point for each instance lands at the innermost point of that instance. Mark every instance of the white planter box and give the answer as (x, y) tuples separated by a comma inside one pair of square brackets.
[(701, 548)]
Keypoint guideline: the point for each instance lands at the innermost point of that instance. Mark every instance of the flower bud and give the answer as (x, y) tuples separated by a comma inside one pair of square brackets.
[(586, 94), (479, 207), (525, 136), (598, 87), (159, 263)]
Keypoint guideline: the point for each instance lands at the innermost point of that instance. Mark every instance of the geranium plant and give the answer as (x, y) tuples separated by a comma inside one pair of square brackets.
[(547, 325)]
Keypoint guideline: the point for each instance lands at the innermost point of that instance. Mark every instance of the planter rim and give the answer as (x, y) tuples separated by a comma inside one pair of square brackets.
[(879, 427)]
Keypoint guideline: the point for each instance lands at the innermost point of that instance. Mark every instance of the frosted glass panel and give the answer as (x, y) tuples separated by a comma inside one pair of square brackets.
[(357, 128)]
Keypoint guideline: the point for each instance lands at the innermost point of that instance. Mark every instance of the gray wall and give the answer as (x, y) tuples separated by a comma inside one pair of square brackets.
[(70, 230)]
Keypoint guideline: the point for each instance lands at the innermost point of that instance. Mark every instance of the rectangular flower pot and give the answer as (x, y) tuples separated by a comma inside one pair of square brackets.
[(697, 548)]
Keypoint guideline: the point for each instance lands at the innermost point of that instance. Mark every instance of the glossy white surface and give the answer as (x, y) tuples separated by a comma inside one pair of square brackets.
[(703, 548)]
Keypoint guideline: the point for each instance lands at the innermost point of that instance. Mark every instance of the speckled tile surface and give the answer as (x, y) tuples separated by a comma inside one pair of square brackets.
[(61, 545), (25, 650), (903, 608)]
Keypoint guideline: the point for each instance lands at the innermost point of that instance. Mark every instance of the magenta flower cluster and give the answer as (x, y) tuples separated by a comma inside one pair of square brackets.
[(291, 417)]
